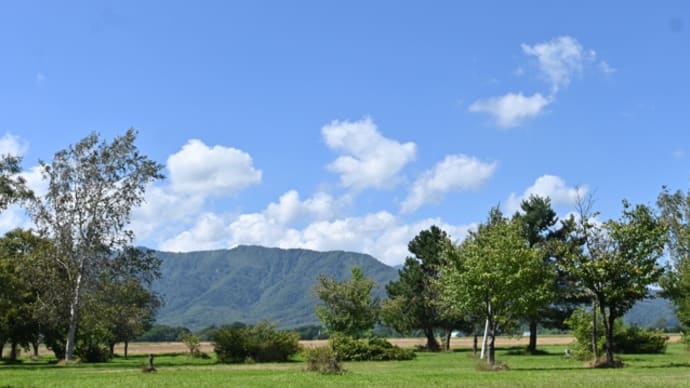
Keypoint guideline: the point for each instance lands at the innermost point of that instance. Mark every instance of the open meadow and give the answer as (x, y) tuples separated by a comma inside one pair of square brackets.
[(456, 368)]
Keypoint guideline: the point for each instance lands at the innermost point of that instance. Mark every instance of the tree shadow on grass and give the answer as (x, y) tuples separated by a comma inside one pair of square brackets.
[(669, 365)]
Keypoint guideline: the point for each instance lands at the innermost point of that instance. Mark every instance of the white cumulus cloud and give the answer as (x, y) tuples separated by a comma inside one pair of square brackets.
[(380, 234), (368, 159), (550, 186), (453, 173), (511, 109), (559, 59), (12, 145), (218, 170)]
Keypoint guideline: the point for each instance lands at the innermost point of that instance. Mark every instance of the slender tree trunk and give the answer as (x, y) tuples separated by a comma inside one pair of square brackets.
[(431, 342), (126, 346), (14, 349), (595, 333), (474, 343), (111, 349), (532, 347), (446, 344), (610, 345), (73, 317), (491, 360), (2, 347), (608, 332), (35, 344)]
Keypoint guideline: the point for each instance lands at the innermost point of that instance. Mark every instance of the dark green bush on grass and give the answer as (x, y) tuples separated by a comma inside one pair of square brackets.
[(636, 340), (259, 343), (371, 349), (90, 349)]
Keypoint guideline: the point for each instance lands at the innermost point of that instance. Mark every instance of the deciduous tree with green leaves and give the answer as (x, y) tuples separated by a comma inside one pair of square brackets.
[(618, 263), (675, 212), (497, 276), (347, 307), (92, 188)]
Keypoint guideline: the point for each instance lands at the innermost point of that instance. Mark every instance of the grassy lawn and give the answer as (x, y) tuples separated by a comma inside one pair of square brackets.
[(458, 368)]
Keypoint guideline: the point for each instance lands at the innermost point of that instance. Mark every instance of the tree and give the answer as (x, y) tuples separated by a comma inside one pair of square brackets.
[(348, 306), (127, 302), (675, 212), (21, 292), (92, 188), (412, 299), (12, 186), (539, 222), (496, 275), (618, 263)]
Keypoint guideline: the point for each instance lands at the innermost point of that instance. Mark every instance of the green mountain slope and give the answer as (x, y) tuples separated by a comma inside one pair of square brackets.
[(251, 283)]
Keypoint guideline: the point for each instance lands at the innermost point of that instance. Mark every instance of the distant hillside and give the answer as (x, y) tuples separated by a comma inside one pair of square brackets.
[(251, 283), (653, 312)]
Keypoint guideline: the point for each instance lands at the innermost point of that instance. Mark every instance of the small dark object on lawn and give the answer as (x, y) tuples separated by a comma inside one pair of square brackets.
[(150, 368)]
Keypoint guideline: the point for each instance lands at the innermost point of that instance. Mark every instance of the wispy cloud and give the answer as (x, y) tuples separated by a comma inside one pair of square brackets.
[(511, 109), (606, 68), (559, 59), (453, 173)]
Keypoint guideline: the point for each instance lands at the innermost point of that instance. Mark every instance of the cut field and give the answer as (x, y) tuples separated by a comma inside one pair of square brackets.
[(457, 368), (456, 343)]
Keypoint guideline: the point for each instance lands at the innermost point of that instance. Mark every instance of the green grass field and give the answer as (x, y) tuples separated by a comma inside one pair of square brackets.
[(456, 369)]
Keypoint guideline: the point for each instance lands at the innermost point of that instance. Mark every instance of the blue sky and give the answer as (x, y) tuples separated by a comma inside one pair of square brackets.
[(353, 125)]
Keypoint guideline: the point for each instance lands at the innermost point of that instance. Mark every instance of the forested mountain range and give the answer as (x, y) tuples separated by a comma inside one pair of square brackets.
[(252, 283)]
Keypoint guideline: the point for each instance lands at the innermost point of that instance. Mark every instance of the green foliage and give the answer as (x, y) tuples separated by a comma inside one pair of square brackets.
[(636, 340), (252, 283), (23, 288), (91, 347), (163, 333), (539, 222), (347, 307), (619, 262), (12, 185), (580, 324), (193, 343), (310, 332), (369, 349), (259, 343), (323, 360), (412, 298), (675, 212), (93, 186), (628, 339), (497, 276)]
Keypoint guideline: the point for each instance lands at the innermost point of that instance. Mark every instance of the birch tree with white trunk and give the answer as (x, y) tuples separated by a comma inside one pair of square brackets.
[(93, 186)]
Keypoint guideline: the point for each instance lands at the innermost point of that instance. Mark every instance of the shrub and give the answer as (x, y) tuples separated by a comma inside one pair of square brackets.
[(90, 350), (636, 340), (372, 349), (259, 343), (192, 343), (323, 360), (627, 339)]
